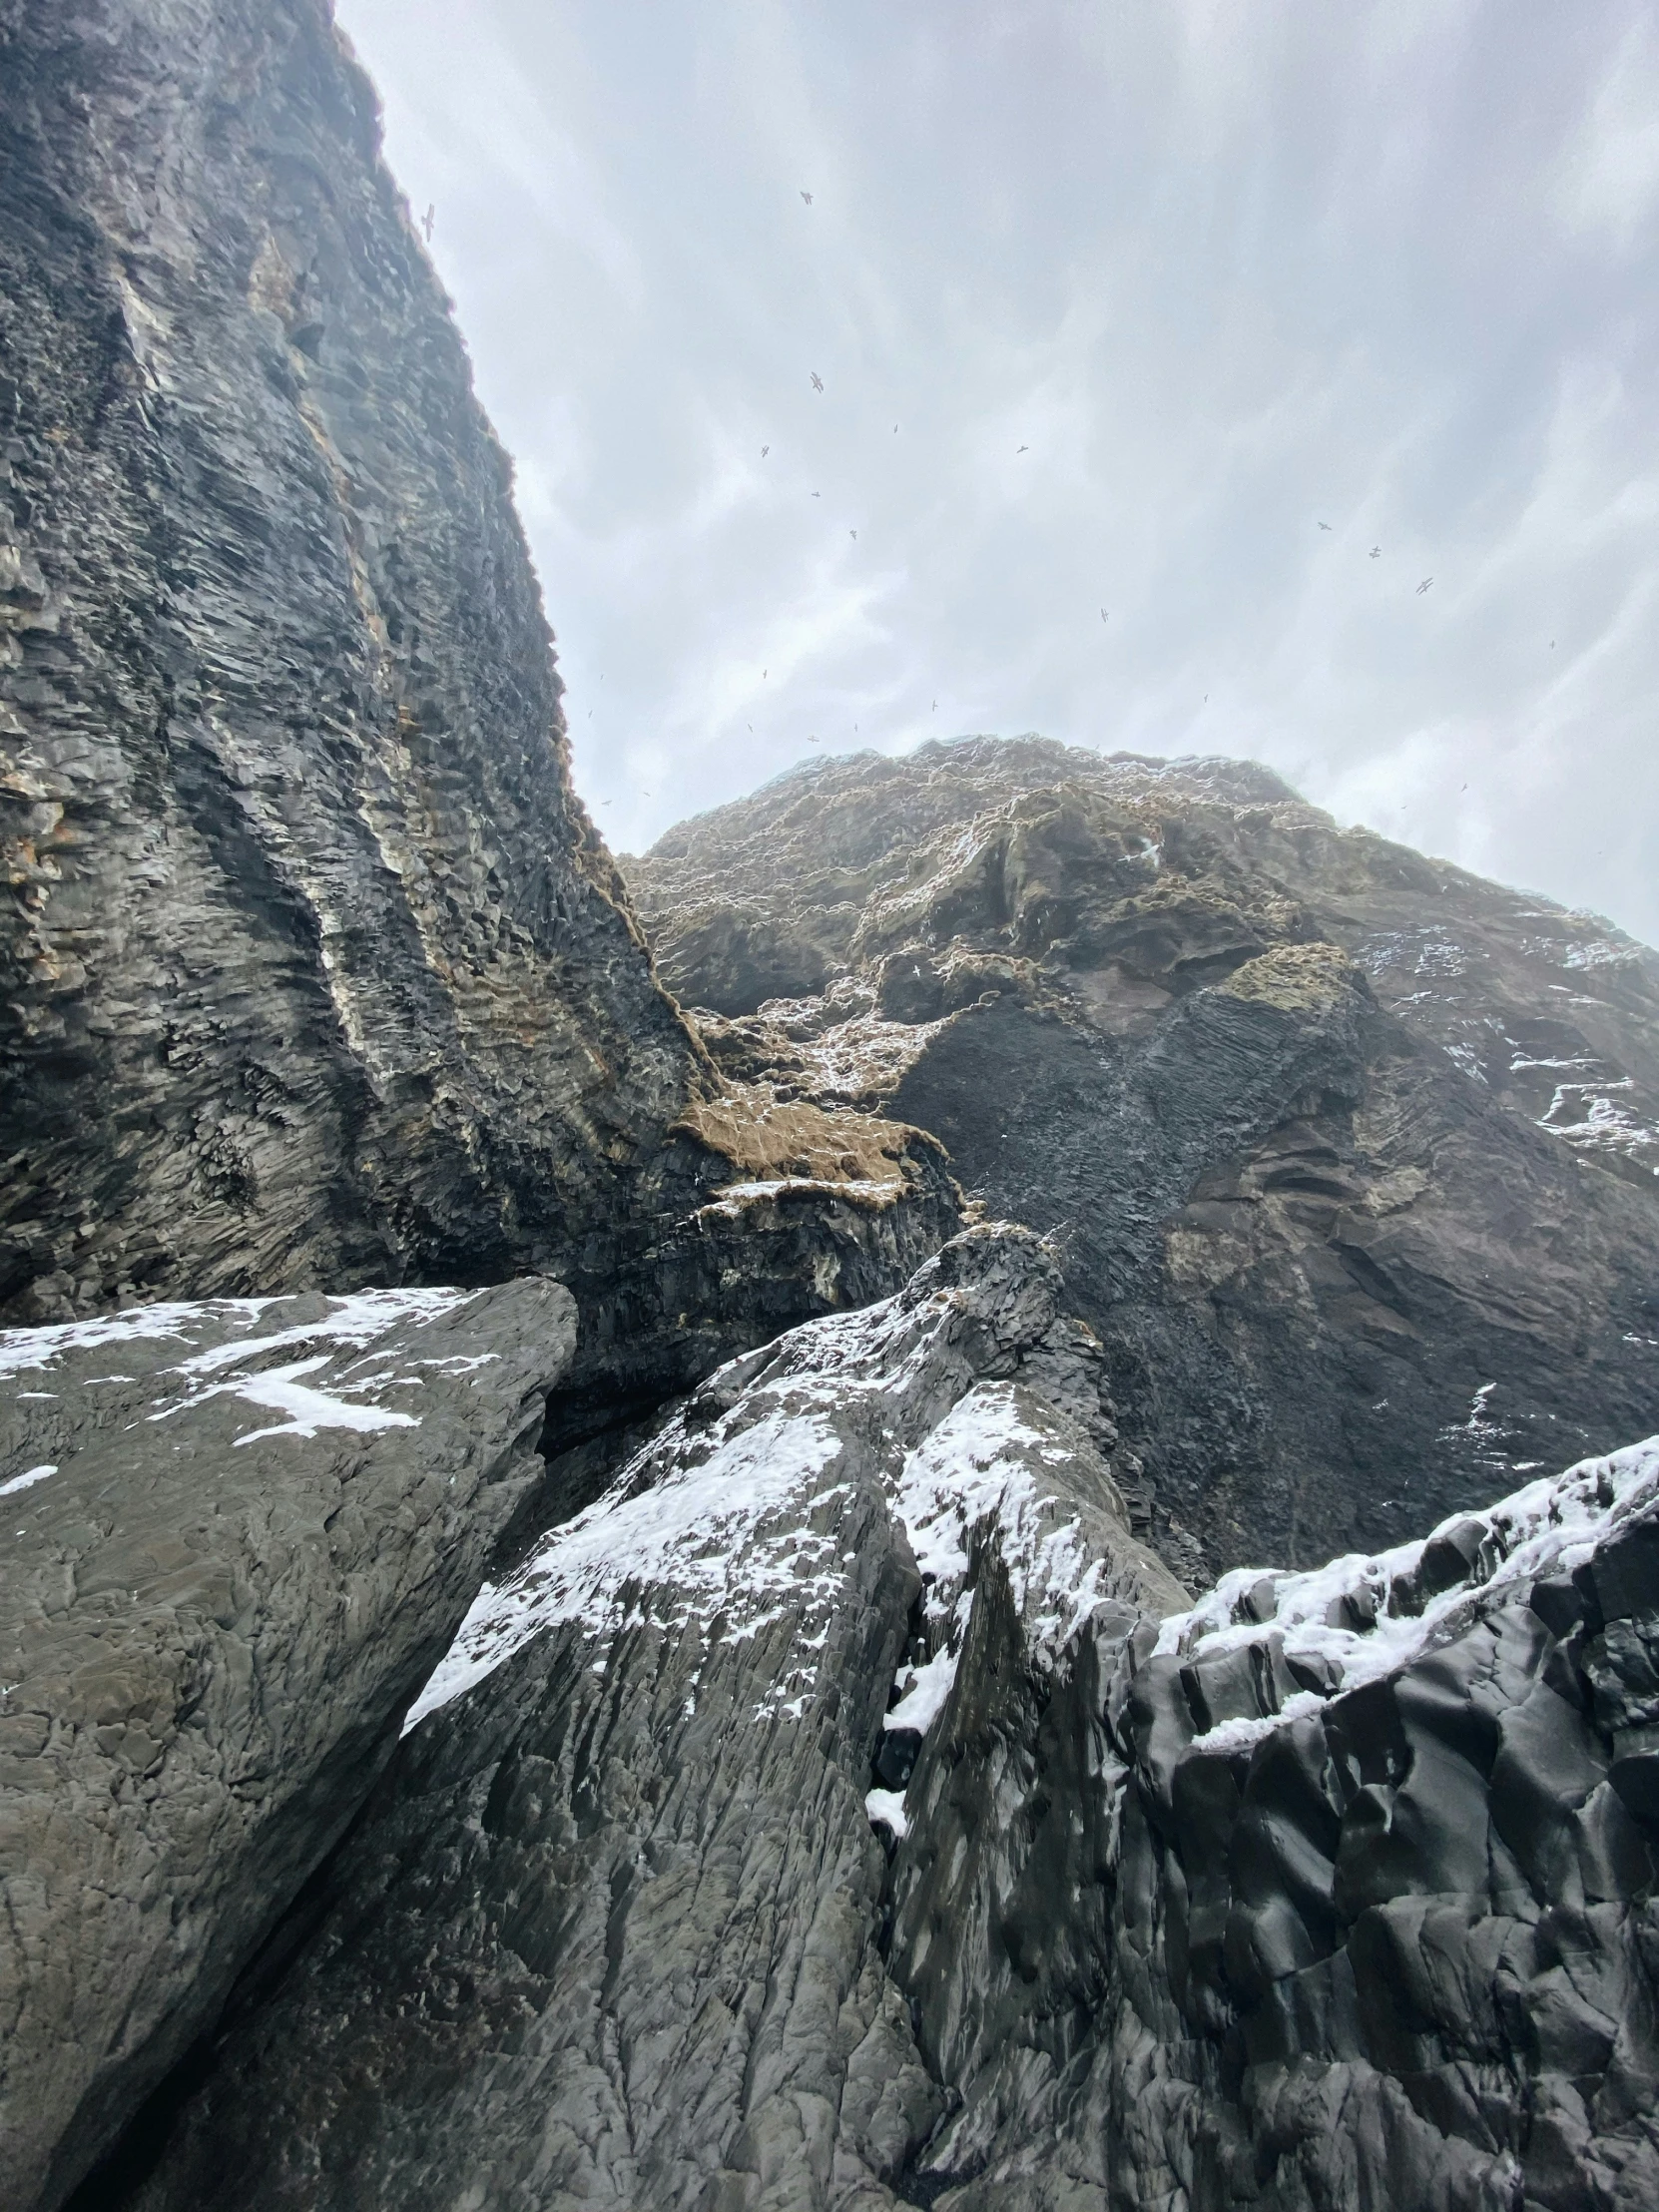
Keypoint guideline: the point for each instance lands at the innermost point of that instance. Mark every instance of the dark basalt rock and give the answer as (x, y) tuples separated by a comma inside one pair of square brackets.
[(238, 1538), (611, 1932), (316, 971), (1353, 1154), (1330, 1892)]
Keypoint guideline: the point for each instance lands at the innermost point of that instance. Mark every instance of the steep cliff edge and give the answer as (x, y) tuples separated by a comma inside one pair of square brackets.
[(1352, 1155), (316, 972)]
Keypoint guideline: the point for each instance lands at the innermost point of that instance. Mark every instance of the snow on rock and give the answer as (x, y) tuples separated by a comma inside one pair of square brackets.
[(26, 1479), (721, 1540), (988, 1469), (728, 1518), (887, 1810), (357, 1350), (1366, 1615)]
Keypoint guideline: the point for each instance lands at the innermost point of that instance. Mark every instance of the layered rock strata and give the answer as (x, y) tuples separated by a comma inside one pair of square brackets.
[(237, 1537), (1353, 1154)]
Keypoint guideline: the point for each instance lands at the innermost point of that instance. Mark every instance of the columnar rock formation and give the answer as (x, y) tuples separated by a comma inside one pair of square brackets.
[(469, 1742)]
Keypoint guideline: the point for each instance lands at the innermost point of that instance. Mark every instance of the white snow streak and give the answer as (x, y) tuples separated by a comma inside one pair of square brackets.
[(24, 1481), (1551, 1526), (700, 1531)]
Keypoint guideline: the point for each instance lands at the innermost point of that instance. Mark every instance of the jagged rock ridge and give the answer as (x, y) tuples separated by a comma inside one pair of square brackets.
[(1329, 1890)]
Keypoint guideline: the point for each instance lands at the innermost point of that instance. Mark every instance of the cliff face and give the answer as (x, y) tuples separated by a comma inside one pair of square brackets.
[(1352, 1155), (238, 1537), (821, 1789)]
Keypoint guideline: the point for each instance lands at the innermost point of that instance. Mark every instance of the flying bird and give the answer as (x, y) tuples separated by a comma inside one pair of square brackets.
[(427, 220), (807, 196), (1022, 449), (1325, 526), (1103, 615), (764, 450), (853, 533), (817, 381), (815, 495), (936, 705), (895, 429), (1423, 586)]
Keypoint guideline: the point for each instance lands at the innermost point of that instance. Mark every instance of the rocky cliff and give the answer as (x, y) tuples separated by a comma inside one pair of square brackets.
[(316, 972), (847, 1809), (471, 1743), (1354, 1156)]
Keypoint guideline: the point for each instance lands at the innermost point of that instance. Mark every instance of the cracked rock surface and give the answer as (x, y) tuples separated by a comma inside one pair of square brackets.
[(236, 1536), (845, 1809)]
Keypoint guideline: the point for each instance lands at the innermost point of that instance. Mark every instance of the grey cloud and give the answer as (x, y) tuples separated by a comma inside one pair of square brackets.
[(1226, 272)]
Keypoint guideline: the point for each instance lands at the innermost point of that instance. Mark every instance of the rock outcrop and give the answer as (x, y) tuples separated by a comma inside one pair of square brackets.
[(316, 972), (466, 1748), (1331, 1890), (1353, 1154), (237, 1537), (612, 1930)]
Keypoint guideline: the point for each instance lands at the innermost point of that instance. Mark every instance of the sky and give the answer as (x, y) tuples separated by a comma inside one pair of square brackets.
[(1261, 377)]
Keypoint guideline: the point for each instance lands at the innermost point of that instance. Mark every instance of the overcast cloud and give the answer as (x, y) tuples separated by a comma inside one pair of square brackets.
[(1226, 268)]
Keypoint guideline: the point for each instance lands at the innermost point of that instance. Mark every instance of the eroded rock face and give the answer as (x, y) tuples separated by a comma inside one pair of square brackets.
[(1359, 1875), (1351, 1152), (237, 1538), (316, 972)]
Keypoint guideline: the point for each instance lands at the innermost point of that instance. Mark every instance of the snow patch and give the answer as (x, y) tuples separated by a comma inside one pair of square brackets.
[(699, 1533), (26, 1480), (887, 1810)]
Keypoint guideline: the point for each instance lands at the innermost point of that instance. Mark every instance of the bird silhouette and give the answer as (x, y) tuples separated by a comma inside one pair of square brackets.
[(1103, 615), (426, 221), (763, 675), (807, 196), (1376, 553), (936, 705), (853, 533), (815, 495), (1325, 526), (1423, 586), (817, 381), (895, 429), (764, 450), (1022, 449)]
